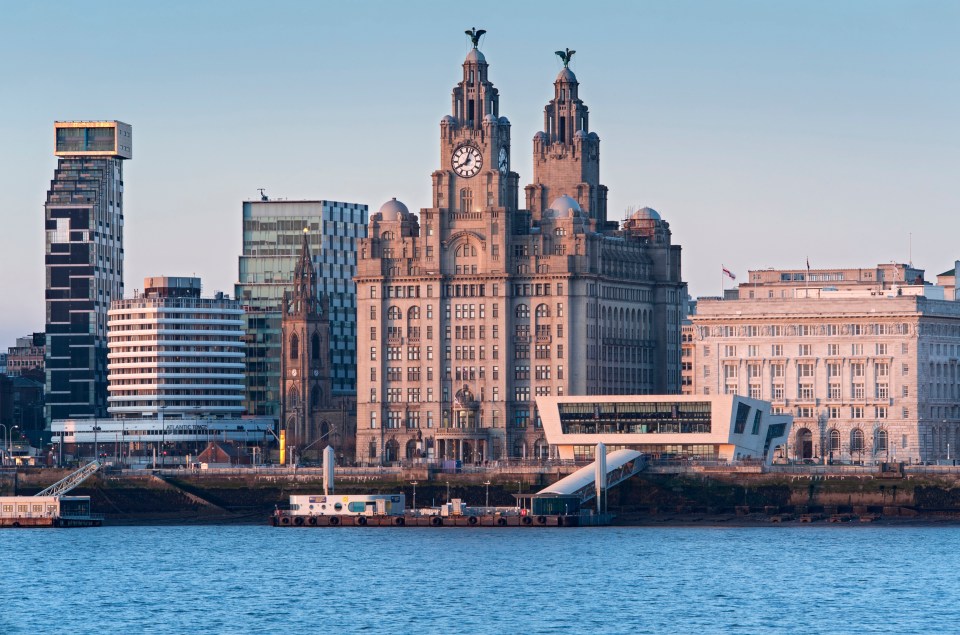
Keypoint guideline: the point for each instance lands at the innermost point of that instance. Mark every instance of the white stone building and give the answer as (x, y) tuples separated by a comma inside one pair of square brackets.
[(869, 375)]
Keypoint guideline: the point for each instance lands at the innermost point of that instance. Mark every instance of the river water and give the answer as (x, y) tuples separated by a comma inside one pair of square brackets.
[(257, 579)]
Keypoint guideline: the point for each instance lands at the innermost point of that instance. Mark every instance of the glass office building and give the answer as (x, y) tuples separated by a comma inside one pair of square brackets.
[(84, 262), (272, 236)]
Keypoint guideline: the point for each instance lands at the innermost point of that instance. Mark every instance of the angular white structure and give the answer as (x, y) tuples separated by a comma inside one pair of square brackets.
[(724, 427)]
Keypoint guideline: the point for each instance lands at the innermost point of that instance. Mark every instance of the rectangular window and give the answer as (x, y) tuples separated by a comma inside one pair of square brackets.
[(776, 350), (856, 412), (729, 351), (833, 349), (856, 349), (881, 412)]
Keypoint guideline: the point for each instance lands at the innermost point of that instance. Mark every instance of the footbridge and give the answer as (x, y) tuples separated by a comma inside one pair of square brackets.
[(619, 466)]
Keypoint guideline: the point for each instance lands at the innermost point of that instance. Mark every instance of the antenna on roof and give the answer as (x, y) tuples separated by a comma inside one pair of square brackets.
[(263, 197)]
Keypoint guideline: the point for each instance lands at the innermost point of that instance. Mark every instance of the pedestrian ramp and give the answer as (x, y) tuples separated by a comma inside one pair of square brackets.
[(621, 465)]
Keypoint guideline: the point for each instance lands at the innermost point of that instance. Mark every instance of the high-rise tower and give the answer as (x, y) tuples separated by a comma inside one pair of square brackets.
[(84, 262)]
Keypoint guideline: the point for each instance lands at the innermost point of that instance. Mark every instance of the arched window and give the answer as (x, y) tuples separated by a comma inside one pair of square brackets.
[(856, 440), (315, 347), (294, 347), (541, 450), (293, 398), (386, 236), (543, 311), (392, 451), (880, 444), (834, 440), (466, 200), (559, 231), (411, 452), (394, 313), (523, 311), (413, 313)]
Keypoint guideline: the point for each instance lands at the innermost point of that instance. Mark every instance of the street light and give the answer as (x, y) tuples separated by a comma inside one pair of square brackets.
[(3, 438), (448, 490), (96, 446), (414, 483), (487, 503)]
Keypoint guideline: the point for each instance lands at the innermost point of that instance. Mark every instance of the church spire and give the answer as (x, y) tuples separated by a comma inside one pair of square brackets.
[(304, 296)]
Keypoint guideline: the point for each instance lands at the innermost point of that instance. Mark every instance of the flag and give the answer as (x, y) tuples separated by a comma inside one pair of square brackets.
[(728, 273), (808, 263)]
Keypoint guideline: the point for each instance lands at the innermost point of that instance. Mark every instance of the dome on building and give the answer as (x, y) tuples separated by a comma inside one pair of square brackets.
[(541, 135), (566, 75), (565, 207), (504, 121), (476, 56), (594, 136), (580, 134), (393, 210), (646, 213), (490, 117), (449, 119)]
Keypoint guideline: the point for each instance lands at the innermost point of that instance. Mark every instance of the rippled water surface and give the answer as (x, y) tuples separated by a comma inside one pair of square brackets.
[(257, 579)]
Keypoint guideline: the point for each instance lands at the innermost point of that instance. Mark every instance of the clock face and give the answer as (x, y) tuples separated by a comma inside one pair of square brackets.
[(467, 161), (294, 372), (503, 162)]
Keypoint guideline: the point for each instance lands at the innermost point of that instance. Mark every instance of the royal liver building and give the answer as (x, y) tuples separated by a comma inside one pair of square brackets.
[(469, 312)]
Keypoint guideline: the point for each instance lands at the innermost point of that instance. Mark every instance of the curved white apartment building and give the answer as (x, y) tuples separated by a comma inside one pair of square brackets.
[(173, 354)]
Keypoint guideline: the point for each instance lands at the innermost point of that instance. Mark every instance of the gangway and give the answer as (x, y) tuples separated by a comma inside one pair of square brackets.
[(621, 465), (70, 481)]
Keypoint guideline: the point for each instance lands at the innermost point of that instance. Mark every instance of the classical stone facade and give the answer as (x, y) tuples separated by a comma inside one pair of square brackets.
[(311, 417), (868, 376), (469, 312)]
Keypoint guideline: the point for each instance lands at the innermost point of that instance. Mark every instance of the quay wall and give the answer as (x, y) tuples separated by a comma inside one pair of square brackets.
[(240, 496)]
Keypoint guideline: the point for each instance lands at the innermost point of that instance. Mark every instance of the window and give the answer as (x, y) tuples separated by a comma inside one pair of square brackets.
[(834, 369), (730, 351), (856, 440), (806, 350), (776, 350), (856, 370), (834, 412), (856, 349), (776, 371), (834, 440), (294, 346), (881, 412), (753, 350), (833, 349), (833, 391), (856, 412), (881, 349), (804, 370)]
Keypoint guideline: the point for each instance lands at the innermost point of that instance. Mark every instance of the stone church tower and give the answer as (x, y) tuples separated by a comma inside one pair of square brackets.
[(308, 416)]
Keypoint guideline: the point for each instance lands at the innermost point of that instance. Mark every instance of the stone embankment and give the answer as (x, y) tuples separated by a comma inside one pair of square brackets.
[(245, 496)]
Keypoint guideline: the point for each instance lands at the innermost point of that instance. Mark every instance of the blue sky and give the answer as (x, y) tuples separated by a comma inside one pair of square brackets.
[(763, 131)]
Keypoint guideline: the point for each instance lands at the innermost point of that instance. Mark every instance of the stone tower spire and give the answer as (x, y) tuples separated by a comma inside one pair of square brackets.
[(303, 299), (566, 155)]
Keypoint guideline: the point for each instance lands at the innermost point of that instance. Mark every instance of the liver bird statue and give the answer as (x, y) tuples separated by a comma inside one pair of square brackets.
[(475, 35), (565, 56)]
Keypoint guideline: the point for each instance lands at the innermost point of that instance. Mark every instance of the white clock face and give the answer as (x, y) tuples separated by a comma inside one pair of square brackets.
[(503, 161), (467, 161)]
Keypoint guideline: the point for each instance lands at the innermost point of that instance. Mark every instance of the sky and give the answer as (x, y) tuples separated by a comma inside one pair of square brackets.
[(765, 132)]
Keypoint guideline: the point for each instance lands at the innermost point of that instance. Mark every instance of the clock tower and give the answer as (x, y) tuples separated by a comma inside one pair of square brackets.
[(566, 154), (475, 173)]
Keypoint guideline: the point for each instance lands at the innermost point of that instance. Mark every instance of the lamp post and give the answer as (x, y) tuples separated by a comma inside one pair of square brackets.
[(3, 438), (487, 501), (448, 490), (414, 483), (96, 445)]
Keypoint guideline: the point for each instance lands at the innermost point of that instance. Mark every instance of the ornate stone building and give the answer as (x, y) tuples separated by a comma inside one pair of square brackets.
[(469, 312), (311, 418), (869, 374)]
